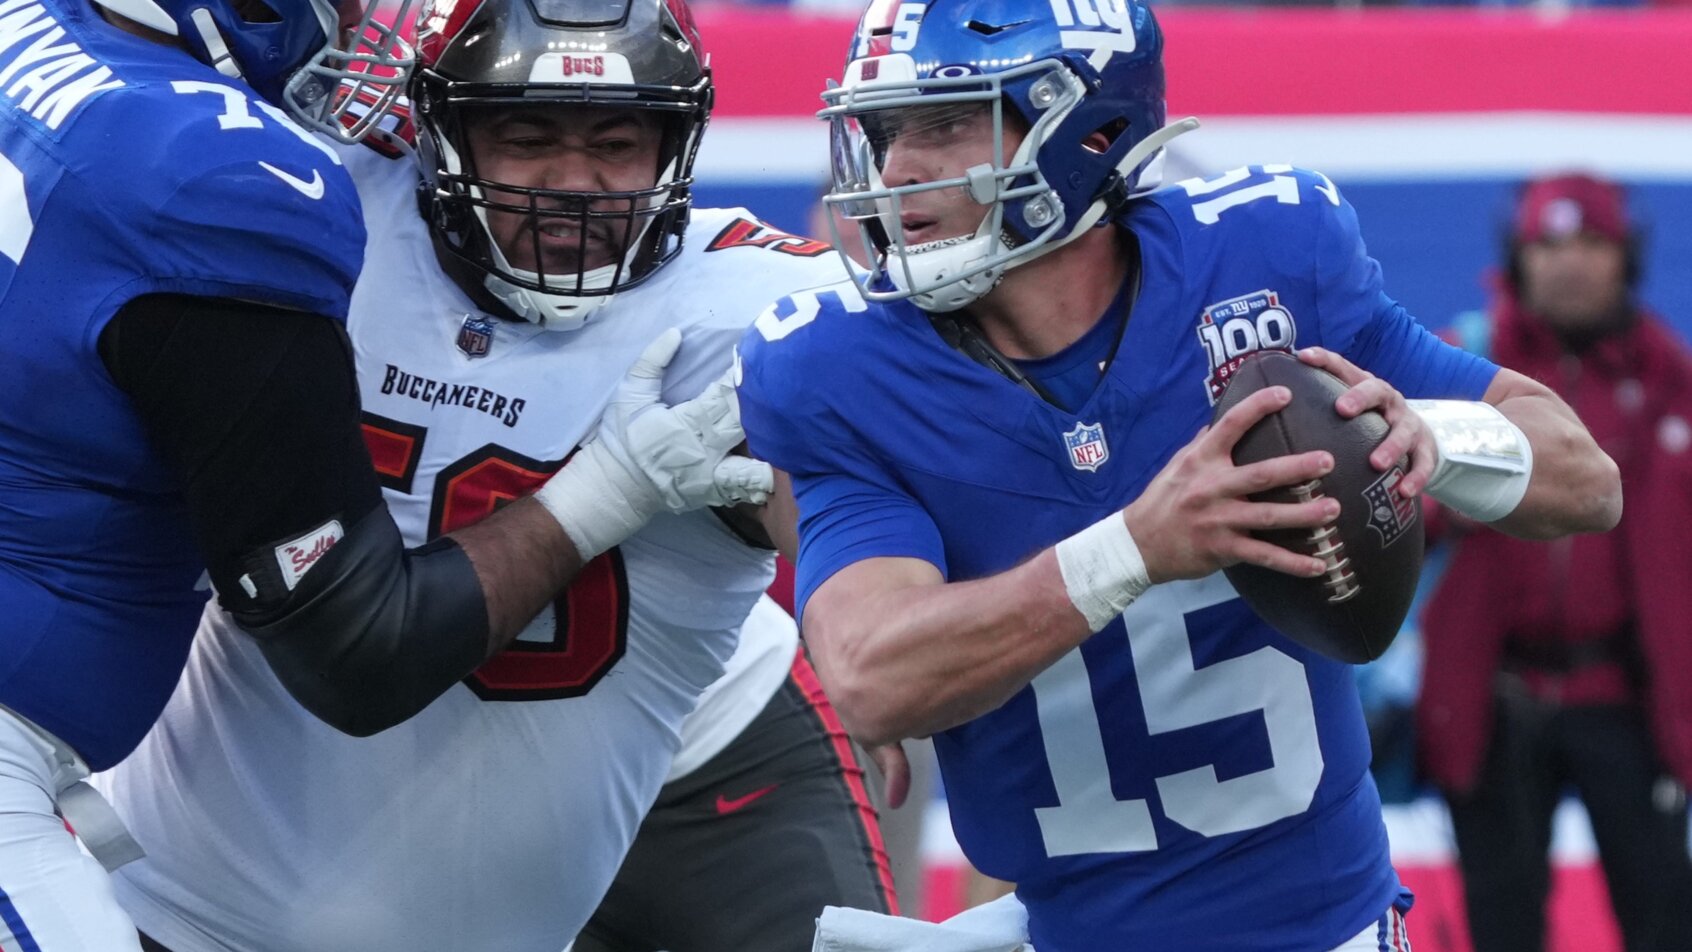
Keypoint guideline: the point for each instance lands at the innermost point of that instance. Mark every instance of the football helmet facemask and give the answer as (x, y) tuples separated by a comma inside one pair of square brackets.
[(316, 58), (1067, 70), (640, 55)]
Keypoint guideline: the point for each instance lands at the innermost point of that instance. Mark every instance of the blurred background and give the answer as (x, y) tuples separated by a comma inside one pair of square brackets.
[(1429, 118)]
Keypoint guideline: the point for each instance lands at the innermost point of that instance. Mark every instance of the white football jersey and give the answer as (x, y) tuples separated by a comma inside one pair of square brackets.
[(762, 662), (496, 818)]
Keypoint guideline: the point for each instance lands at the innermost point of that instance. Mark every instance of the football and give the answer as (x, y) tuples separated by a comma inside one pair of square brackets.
[(1373, 550)]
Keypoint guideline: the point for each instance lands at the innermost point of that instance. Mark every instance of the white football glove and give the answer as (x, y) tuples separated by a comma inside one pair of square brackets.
[(646, 458)]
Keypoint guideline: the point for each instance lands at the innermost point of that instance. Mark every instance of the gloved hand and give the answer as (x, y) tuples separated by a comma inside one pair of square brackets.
[(684, 450), (646, 457)]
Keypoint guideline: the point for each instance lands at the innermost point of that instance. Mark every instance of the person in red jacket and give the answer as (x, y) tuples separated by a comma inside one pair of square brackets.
[(1562, 664)]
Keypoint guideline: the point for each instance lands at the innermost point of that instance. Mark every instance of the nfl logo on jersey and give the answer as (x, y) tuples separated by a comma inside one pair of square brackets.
[(1087, 449), (475, 336)]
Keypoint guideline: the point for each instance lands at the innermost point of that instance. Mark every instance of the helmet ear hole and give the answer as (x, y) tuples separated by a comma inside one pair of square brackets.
[(1101, 139), (255, 11)]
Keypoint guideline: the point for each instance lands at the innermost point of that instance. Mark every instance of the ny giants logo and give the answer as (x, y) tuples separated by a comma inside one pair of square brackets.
[(1103, 26), (1239, 327)]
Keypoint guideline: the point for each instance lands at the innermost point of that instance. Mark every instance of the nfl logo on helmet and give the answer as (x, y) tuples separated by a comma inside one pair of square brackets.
[(475, 336), (1087, 448)]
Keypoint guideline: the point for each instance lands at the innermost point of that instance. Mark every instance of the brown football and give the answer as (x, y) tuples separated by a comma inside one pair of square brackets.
[(1373, 550)]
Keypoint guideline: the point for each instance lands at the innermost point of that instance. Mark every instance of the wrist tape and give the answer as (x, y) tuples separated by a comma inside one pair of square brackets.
[(1485, 461), (1102, 570), (593, 501)]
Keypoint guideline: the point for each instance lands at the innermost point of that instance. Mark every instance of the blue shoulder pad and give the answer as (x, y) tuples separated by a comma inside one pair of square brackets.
[(790, 375), (1255, 196), (235, 199), (1290, 230), (1282, 224)]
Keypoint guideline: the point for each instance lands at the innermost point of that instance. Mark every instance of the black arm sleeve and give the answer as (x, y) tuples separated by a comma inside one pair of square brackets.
[(255, 408)]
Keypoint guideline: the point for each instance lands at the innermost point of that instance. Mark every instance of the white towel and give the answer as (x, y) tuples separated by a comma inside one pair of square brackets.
[(998, 926)]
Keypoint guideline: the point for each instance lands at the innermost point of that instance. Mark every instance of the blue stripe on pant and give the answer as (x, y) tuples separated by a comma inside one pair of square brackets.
[(15, 924)]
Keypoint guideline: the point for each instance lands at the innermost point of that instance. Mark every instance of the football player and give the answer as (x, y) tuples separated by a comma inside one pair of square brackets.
[(1013, 513), (555, 148), (179, 409)]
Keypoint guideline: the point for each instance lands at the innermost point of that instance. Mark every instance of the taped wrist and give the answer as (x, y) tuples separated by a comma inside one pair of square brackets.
[(1102, 570), (596, 502), (371, 632), (1485, 461)]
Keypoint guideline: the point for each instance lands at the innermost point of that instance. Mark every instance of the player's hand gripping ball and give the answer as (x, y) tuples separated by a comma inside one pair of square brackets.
[(1373, 550)]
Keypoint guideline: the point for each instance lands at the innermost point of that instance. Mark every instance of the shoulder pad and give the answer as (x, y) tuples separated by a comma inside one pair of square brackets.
[(1252, 195), (801, 308), (739, 248), (235, 199), (725, 229), (741, 260), (792, 380)]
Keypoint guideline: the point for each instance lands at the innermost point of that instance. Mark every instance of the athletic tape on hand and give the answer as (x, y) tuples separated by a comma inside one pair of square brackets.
[(1485, 461), (1103, 571)]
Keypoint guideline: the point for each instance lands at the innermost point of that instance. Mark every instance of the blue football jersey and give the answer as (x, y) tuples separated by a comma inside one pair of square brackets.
[(1188, 778), (126, 168)]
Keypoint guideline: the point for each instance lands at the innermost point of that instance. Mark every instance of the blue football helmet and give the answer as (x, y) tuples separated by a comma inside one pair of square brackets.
[(337, 67), (1068, 68)]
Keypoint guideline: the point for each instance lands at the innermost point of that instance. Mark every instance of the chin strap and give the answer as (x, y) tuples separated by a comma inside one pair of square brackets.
[(221, 59)]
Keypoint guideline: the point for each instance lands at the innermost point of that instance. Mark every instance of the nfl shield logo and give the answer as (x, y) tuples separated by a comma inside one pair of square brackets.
[(1086, 444), (475, 336), (1389, 512)]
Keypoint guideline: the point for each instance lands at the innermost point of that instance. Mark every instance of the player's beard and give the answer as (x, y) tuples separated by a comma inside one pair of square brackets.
[(563, 246)]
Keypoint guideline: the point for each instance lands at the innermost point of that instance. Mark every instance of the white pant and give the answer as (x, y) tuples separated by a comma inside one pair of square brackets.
[(1386, 934), (53, 896)]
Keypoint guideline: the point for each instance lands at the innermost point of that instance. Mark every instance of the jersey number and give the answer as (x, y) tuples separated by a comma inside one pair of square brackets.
[(237, 113), (1176, 695), (572, 643), (800, 308), (1278, 185)]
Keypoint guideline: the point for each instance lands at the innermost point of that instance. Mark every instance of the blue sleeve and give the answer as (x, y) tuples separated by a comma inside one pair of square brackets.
[(846, 518), (260, 211), (851, 507), (1358, 319), (240, 231)]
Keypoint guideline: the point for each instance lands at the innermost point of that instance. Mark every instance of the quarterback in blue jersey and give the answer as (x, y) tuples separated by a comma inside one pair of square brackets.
[(178, 408), (1013, 515)]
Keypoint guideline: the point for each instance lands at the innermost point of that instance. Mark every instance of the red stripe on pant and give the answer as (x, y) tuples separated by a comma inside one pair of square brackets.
[(806, 677)]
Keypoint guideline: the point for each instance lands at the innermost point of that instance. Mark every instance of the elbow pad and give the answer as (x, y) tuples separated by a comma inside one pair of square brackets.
[(371, 632)]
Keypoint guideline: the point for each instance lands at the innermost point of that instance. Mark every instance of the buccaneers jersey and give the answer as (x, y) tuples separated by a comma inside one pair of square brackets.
[(495, 819)]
